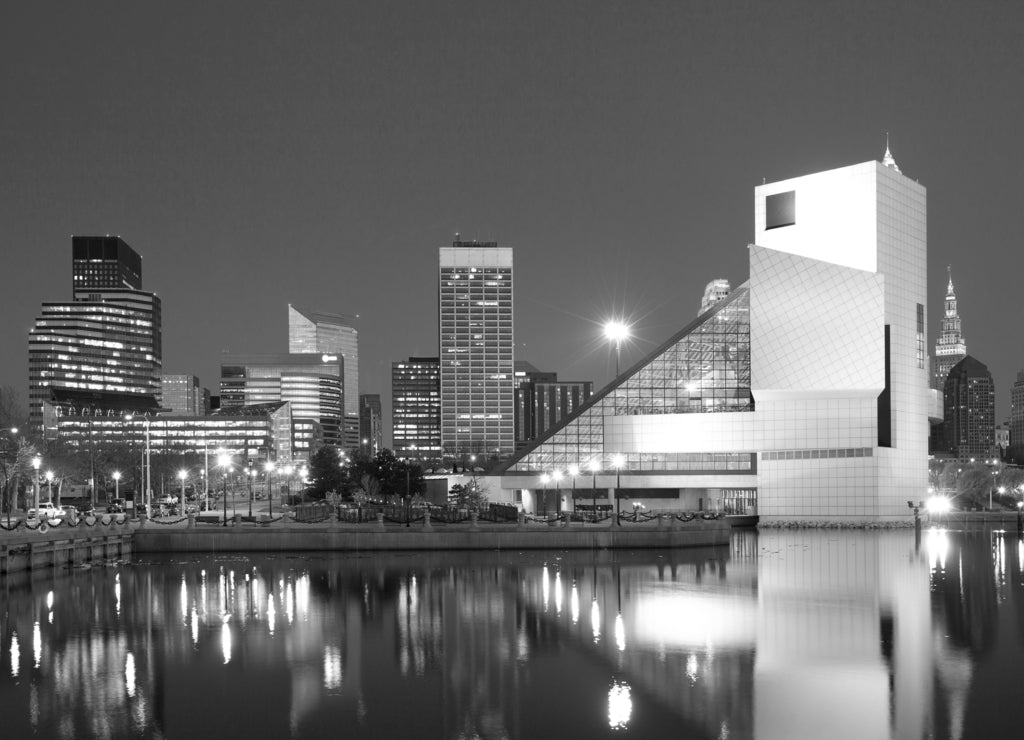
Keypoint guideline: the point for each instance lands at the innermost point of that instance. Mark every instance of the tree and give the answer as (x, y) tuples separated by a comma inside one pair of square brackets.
[(326, 472), (472, 495), (391, 474)]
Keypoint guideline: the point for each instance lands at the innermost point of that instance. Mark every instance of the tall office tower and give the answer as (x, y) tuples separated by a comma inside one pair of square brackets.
[(542, 401), (1017, 410), (182, 395), (371, 425), (970, 411), (950, 347), (312, 383), (476, 343), (715, 291), (331, 334), (416, 408), (101, 262), (102, 350)]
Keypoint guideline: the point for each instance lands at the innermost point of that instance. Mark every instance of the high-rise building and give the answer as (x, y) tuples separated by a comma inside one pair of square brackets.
[(715, 291), (314, 332), (542, 401), (805, 390), (106, 341), (950, 347), (371, 425), (416, 408), (182, 395), (476, 347), (103, 262), (1017, 410), (312, 383), (970, 410)]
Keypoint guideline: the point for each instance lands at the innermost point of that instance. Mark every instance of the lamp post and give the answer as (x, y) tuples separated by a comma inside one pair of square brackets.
[(37, 463), (544, 479), (617, 462), (574, 470), (182, 475), (117, 484), (616, 331), (224, 463), (49, 487), (251, 474), (14, 489), (289, 471), (556, 476), (268, 468), (594, 465), (145, 463)]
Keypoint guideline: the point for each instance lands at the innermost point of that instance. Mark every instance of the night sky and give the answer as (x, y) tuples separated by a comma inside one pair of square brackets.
[(257, 154)]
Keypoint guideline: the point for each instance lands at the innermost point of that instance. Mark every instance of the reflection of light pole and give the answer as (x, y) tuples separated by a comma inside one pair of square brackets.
[(37, 463), (616, 331), (618, 461)]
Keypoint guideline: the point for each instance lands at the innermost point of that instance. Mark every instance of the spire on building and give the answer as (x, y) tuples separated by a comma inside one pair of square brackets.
[(950, 347), (888, 160), (950, 293)]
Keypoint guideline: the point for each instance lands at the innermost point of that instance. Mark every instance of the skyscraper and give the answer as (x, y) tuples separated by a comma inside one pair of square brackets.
[(103, 349), (182, 395), (542, 401), (969, 399), (476, 347), (314, 332), (371, 425), (950, 347), (1017, 410), (416, 408), (715, 291)]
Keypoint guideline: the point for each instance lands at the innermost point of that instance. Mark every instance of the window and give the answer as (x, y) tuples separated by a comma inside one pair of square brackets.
[(780, 210)]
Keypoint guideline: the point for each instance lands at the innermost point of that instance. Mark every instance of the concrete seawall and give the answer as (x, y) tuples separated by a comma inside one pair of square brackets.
[(31, 550), (362, 538)]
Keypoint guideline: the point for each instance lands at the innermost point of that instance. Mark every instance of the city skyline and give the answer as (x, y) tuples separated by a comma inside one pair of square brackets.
[(619, 162)]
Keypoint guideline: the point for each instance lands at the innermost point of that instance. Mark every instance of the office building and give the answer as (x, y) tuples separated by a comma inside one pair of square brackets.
[(102, 263), (181, 395), (968, 429), (805, 390), (313, 332), (542, 401), (371, 424), (311, 383), (416, 408), (1017, 410), (715, 291), (950, 347), (107, 340), (476, 343)]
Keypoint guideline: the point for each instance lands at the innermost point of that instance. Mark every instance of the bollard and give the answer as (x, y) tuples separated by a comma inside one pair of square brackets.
[(521, 518), (238, 519), (380, 521), (191, 521), (474, 521), (426, 519)]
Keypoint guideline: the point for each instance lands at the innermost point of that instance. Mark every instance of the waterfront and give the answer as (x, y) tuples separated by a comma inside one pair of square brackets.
[(782, 634)]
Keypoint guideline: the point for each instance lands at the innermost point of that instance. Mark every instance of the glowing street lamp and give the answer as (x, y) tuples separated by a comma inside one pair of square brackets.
[(268, 468), (617, 462), (49, 487), (117, 483), (616, 331), (37, 463), (573, 471), (557, 478), (544, 479), (182, 475), (224, 463)]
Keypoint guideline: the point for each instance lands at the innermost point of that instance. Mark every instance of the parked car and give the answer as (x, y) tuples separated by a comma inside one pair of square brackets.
[(47, 510), (116, 506), (87, 509), (70, 512)]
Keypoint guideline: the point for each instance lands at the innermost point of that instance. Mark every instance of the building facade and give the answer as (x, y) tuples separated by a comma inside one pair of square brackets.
[(970, 411), (314, 332), (107, 340), (950, 347), (416, 408), (311, 383), (715, 291), (476, 349), (371, 424), (181, 395), (1017, 410), (806, 389), (542, 401)]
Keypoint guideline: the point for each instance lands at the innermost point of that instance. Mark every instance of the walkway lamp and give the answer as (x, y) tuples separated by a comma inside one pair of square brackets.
[(182, 475), (544, 480), (616, 331), (268, 468), (49, 486), (617, 462), (224, 463), (117, 483), (37, 462), (595, 466), (574, 470), (556, 476)]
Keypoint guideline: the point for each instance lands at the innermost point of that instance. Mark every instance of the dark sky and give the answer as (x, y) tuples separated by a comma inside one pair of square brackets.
[(257, 154)]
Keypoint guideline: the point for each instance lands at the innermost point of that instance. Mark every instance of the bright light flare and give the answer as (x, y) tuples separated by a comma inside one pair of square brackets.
[(938, 505), (616, 331)]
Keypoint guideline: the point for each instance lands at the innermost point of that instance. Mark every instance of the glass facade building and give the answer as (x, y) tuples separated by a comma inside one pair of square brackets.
[(371, 424), (476, 349), (542, 401), (181, 395), (969, 397), (103, 262), (950, 347), (416, 408), (314, 332)]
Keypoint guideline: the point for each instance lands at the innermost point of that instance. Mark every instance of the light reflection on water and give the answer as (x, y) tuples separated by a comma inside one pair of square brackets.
[(786, 634)]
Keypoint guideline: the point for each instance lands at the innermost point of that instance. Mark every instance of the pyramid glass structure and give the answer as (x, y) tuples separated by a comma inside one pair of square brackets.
[(703, 369)]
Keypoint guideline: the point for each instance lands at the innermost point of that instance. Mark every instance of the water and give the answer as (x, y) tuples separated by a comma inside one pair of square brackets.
[(782, 635)]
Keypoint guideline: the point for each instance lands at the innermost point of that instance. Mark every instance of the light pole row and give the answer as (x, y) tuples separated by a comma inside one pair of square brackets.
[(594, 465)]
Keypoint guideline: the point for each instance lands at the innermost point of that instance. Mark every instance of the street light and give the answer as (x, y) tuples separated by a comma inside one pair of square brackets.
[(595, 466), (268, 468), (616, 331), (617, 462), (224, 463), (145, 464), (37, 462), (182, 475), (117, 485), (557, 478), (544, 479), (49, 487), (574, 470)]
